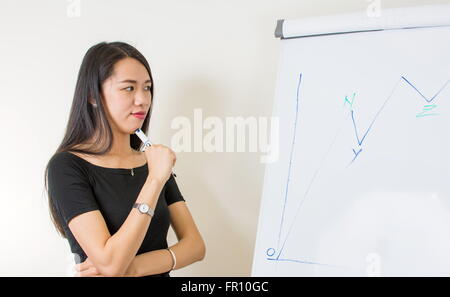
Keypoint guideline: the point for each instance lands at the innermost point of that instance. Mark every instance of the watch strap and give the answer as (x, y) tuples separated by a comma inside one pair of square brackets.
[(150, 211)]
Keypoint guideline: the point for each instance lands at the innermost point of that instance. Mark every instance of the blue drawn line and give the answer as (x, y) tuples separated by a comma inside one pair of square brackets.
[(305, 195), (356, 155), (298, 261), (312, 263), (420, 93), (290, 160), (360, 141), (301, 202)]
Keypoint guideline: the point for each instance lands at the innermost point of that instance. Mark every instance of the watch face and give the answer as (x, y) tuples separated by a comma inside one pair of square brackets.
[(143, 207)]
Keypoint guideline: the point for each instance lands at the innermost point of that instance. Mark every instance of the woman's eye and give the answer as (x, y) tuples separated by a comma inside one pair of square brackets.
[(131, 88)]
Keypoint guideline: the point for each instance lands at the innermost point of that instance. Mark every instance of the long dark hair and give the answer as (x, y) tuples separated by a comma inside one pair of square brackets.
[(87, 123)]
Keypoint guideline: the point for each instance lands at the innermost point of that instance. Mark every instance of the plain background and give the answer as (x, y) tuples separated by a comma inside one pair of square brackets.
[(217, 55)]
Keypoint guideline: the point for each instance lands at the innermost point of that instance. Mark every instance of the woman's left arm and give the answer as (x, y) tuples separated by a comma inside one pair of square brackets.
[(189, 249)]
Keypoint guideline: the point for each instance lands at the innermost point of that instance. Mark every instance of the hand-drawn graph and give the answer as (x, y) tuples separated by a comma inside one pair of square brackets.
[(275, 254), (361, 186)]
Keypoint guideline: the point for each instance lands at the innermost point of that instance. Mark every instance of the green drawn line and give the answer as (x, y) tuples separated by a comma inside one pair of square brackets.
[(420, 115), (426, 108), (351, 103)]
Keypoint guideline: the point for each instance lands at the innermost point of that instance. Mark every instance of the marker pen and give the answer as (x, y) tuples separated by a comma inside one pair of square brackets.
[(146, 141), (143, 137)]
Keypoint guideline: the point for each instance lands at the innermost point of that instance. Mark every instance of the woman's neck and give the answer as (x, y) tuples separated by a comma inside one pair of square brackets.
[(121, 147)]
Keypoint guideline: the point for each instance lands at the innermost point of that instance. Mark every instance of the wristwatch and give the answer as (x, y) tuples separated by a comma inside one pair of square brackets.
[(144, 208)]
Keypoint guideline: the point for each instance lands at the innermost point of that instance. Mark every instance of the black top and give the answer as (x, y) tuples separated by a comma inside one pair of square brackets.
[(77, 186)]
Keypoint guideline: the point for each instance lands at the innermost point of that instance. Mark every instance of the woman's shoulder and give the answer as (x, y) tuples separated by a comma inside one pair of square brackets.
[(63, 156), (86, 161), (66, 159)]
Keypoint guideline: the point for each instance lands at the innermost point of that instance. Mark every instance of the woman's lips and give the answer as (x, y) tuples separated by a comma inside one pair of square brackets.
[(140, 116)]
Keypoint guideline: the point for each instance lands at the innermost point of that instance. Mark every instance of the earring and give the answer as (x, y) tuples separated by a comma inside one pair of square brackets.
[(94, 105)]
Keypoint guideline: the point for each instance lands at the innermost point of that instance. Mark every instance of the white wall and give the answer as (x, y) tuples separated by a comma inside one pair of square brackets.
[(217, 55)]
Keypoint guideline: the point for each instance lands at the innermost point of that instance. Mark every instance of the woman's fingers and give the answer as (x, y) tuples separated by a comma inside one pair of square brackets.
[(91, 271), (85, 265), (82, 266), (86, 268)]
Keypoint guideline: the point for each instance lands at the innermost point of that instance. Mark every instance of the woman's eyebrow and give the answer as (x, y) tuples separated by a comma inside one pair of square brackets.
[(133, 81)]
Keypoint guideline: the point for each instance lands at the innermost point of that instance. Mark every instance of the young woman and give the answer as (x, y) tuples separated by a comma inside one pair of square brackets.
[(112, 202)]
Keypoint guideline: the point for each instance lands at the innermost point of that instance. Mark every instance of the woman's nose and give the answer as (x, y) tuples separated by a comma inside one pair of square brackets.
[(142, 98)]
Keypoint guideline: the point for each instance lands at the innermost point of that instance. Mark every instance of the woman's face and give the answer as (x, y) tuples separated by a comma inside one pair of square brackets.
[(125, 92)]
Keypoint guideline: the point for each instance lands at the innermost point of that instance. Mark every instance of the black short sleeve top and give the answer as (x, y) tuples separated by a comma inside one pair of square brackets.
[(77, 186)]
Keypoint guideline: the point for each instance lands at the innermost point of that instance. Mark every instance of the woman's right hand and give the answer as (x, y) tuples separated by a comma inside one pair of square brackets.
[(160, 160)]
